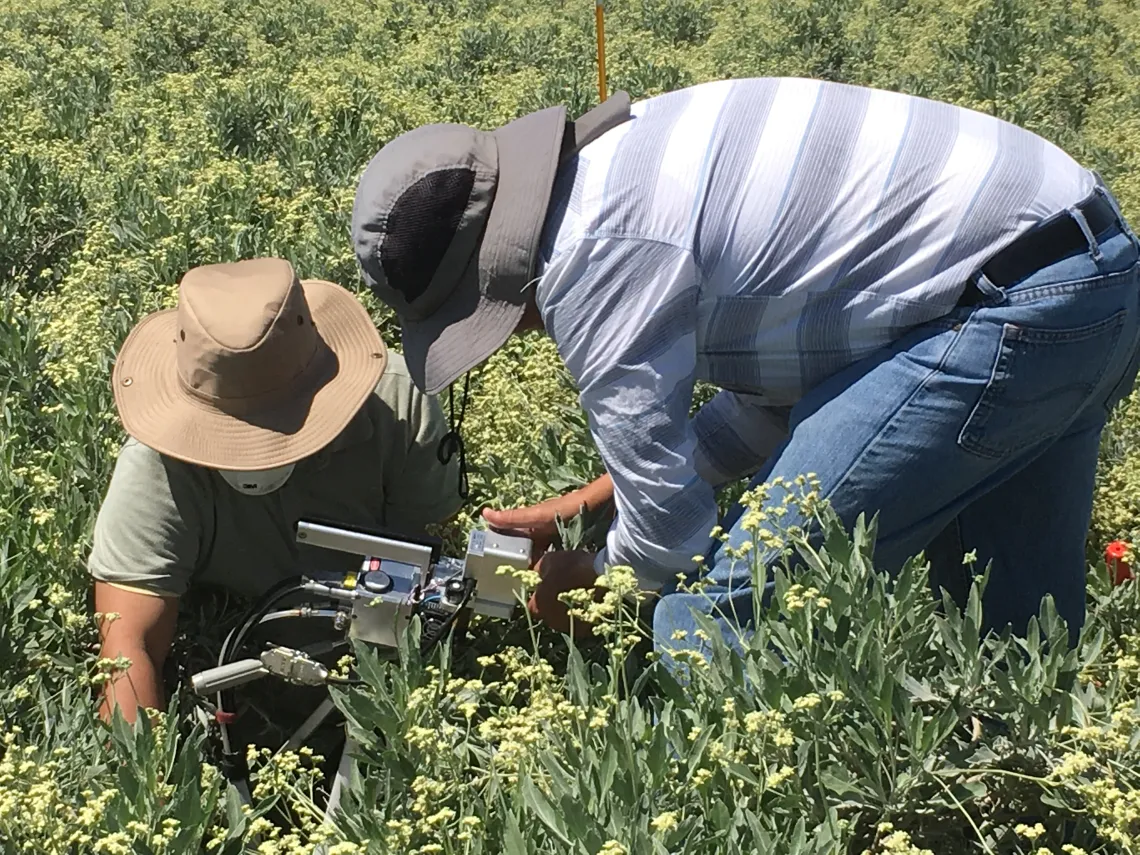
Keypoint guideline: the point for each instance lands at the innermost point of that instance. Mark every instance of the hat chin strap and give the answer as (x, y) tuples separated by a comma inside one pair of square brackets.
[(452, 442), (258, 483)]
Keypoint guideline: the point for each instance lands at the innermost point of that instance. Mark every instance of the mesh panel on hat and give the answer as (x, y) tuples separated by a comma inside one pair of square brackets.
[(420, 228)]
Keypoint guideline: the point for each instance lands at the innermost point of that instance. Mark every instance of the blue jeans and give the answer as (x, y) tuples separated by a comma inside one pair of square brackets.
[(979, 430)]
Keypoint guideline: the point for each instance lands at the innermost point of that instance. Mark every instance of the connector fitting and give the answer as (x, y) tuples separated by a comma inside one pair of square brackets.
[(294, 666)]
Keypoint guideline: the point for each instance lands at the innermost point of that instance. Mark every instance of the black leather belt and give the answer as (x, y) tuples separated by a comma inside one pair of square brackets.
[(1042, 246)]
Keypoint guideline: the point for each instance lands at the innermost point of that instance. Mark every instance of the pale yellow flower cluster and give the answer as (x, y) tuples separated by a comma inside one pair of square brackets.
[(517, 393), (769, 724), (798, 597), (1116, 508), (290, 776), (228, 143), (664, 822), (1093, 770), (780, 776), (282, 772), (431, 818), (1029, 832), (764, 522), (610, 616), (38, 814), (515, 716), (526, 578), (807, 702), (892, 842)]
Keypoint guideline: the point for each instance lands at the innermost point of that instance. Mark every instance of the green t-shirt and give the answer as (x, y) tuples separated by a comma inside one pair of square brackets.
[(165, 525)]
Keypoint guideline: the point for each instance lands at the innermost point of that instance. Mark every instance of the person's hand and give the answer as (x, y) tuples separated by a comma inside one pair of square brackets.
[(558, 573), (537, 522)]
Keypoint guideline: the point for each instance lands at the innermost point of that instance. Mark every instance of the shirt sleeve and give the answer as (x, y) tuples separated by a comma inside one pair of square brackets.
[(735, 435), (154, 524), (623, 315), (420, 490)]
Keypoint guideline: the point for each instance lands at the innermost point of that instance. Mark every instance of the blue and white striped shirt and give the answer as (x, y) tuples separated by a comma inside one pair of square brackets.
[(761, 235)]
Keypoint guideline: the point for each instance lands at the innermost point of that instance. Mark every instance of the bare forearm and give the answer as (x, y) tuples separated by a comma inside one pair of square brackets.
[(139, 686), (538, 521), (598, 492), (138, 626), (594, 495)]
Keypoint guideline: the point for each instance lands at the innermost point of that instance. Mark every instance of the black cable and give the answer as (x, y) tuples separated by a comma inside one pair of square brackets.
[(234, 766), (278, 593), (233, 763), (446, 623), (452, 442), (253, 614), (344, 681), (255, 617)]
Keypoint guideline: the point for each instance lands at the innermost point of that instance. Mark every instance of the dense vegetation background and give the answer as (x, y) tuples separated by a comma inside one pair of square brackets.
[(139, 138)]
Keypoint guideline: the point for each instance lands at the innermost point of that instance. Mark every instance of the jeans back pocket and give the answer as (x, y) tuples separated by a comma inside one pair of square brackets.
[(1041, 380)]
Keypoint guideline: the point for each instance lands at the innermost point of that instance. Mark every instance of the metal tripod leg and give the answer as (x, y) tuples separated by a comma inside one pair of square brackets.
[(342, 780), (309, 725), (343, 776)]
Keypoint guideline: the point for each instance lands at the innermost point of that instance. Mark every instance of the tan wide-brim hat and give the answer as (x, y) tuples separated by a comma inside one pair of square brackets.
[(255, 369)]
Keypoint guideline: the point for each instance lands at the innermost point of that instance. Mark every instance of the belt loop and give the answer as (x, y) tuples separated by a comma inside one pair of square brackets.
[(1106, 193), (992, 295), (1094, 247)]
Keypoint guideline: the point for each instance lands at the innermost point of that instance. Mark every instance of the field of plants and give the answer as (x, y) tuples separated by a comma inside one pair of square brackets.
[(139, 138)]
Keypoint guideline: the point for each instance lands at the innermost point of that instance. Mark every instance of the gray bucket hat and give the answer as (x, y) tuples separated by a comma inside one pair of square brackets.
[(446, 225)]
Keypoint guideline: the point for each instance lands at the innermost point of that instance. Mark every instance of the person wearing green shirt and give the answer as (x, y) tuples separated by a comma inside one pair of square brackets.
[(261, 400)]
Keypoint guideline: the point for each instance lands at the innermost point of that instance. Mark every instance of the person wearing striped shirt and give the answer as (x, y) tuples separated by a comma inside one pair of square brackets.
[(929, 308)]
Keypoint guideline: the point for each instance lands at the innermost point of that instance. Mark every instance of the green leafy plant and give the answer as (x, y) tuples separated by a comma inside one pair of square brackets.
[(142, 137)]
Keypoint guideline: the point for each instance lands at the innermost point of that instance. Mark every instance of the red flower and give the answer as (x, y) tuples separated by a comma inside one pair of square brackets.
[(1114, 555)]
